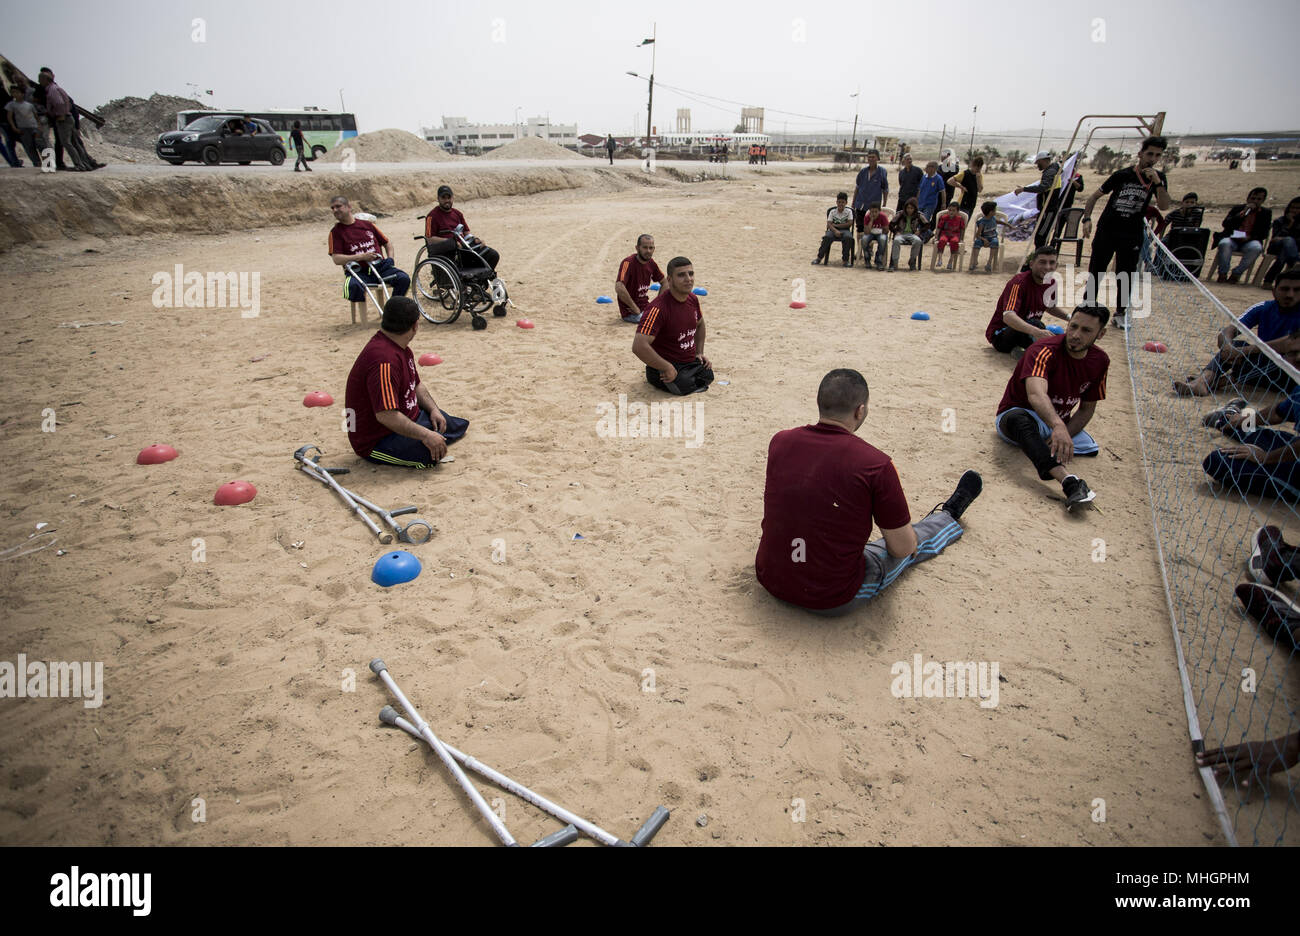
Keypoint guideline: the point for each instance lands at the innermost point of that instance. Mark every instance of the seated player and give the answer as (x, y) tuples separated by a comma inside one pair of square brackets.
[(949, 227), (396, 420), (909, 227), (1017, 320), (986, 235), (670, 338), (1274, 321), (636, 274), (354, 241), (440, 225), (825, 489), (1264, 460), (1188, 214), (1038, 410), (839, 227)]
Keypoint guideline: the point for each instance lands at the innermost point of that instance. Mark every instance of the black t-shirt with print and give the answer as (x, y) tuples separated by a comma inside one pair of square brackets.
[(1129, 196)]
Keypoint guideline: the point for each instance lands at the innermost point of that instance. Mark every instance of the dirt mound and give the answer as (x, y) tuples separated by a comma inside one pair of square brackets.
[(389, 146), (531, 148), (136, 122)]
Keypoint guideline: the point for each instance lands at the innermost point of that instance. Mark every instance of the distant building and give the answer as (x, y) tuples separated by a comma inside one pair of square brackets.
[(459, 135)]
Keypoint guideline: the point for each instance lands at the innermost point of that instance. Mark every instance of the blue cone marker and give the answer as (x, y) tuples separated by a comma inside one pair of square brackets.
[(921, 316), (604, 300), (394, 568), (1056, 329), (700, 291)]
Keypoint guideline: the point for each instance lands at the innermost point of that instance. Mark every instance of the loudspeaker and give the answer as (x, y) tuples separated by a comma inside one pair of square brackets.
[(1189, 245)]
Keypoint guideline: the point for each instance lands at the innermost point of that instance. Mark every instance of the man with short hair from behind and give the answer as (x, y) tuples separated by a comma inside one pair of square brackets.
[(670, 337), (825, 489), (1051, 398), (636, 274), (395, 420)]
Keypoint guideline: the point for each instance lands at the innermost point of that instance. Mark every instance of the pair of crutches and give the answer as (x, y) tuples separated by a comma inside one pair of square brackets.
[(417, 531), (453, 759)]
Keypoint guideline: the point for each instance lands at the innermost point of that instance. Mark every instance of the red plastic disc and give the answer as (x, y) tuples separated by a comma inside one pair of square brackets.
[(796, 304), (1161, 347), (429, 360), (525, 323), (234, 492), (318, 398), (155, 455)]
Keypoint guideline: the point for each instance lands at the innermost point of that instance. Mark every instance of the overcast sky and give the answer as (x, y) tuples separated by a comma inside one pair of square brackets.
[(919, 64)]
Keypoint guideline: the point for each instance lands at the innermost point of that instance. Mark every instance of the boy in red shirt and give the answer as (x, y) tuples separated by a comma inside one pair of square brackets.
[(1038, 410), (875, 230), (950, 227), (825, 489), (670, 338)]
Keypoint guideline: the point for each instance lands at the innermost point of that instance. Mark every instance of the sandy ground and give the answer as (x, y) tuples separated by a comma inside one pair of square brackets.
[(241, 679)]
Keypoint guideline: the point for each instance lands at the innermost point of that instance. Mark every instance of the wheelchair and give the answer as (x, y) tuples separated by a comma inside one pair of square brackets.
[(444, 286)]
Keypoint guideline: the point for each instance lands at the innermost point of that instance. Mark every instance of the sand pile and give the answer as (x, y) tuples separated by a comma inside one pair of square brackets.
[(531, 148), (133, 121), (389, 146)]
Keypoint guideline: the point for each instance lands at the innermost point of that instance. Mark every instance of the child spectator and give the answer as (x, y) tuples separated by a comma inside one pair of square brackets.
[(875, 233), (949, 227), (986, 235)]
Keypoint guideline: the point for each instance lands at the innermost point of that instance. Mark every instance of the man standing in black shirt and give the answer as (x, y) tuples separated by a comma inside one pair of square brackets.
[(299, 142), (909, 181), (1119, 232)]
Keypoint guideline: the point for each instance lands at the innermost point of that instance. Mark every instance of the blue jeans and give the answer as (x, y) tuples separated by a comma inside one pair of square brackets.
[(1036, 449), (1250, 251), (1277, 480), (9, 146), (397, 281), (878, 241)]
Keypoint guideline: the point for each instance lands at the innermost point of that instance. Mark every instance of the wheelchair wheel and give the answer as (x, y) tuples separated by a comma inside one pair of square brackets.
[(439, 291), (477, 299), (479, 322)]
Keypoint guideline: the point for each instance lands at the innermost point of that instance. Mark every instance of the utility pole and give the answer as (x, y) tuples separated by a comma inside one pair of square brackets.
[(973, 112), (341, 105), (942, 135), (1041, 127), (654, 34), (856, 100)]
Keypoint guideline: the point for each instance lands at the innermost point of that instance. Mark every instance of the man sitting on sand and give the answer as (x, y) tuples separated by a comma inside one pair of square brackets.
[(395, 420), (1274, 322), (1017, 320), (354, 241), (1038, 411), (670, 338), (636, 274), (440, 225), (825, 489)]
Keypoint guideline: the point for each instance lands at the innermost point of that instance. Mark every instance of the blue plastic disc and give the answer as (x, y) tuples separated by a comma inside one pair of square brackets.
[(604, 300), (394, 568), (921, 316), (654, 287), (700, 291), (1056, 329)]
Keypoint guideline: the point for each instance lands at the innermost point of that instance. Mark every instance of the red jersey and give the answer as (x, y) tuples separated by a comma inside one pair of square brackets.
[(1024, 297), (824, 487), (672, 324), (877, 220), (383, 377), (637, 277), (949, 225), (439, 223), (1069, 379), (355, 238)]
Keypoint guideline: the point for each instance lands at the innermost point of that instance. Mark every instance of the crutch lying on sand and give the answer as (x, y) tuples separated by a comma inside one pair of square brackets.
[(417, 531), (388, 715), (310, 466), (424, 731)]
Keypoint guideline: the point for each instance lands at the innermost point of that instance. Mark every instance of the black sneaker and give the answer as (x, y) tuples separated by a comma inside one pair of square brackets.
[(1077, 492), (1276, 613), (968, 488), (1217, 419), (1264, 546)]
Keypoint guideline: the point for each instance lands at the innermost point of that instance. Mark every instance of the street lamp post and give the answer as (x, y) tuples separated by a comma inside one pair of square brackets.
[(649, 110), (856, 100), (1041, 127)]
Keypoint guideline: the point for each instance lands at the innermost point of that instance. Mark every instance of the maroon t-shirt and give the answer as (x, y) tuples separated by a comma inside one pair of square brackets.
[(1069, 379), (636, 277), (824, 488), (1024, 297), (382, 378), (439, 223), (355, 238), (672, 324)]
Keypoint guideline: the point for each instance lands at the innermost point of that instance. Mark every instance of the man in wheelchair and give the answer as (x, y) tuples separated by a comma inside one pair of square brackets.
[(440, 228), (364, 251)]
